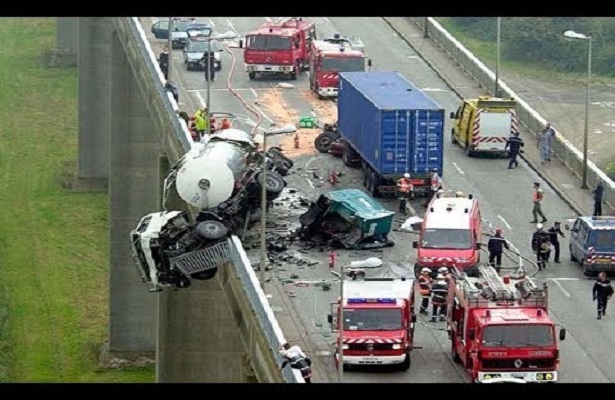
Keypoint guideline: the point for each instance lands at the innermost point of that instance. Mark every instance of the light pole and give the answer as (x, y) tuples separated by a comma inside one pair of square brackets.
[(208, 63), (575, 35), (340, 346), (170, 46), (497, 57), (426, 28)]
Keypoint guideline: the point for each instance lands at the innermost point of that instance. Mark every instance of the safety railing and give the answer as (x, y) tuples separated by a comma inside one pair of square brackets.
[(264, 312), (240, 261), (530, 118)]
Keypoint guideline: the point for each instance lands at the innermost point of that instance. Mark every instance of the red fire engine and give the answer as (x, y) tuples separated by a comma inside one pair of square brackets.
[(279, 47), (499, 327), (379, 320), (330, 56)]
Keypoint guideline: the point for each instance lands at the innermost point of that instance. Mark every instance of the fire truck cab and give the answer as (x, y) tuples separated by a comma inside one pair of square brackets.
[(279, 47), (450, 234), (379, 319), (332, 55), (484, 125), (499, 327)]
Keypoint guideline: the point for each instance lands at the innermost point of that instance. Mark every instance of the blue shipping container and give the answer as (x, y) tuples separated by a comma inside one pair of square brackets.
[(392, 124)]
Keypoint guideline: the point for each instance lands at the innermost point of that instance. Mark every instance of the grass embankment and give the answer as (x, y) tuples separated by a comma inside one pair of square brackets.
[(486, 52), (53, 243)]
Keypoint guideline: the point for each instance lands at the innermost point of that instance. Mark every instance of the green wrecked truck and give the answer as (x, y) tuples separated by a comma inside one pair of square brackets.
[(348, 219)]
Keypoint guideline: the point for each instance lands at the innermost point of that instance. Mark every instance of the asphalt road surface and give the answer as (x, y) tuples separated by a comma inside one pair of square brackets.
[(504, 195)]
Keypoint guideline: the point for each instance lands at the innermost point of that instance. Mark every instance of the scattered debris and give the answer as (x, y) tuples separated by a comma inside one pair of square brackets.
[(285, 85), (411, 224)]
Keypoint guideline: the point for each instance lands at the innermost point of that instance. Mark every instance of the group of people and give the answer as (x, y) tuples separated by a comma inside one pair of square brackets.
[(199, 125), (545, 141), (435, 290), (405, 190)]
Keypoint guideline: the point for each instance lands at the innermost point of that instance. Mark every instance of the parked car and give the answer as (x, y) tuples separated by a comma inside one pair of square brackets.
[(194, 50), (179, 37)]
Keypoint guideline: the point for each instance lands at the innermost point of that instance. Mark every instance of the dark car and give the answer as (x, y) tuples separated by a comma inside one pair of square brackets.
[(592, 243), (194, 50), (179, 36)]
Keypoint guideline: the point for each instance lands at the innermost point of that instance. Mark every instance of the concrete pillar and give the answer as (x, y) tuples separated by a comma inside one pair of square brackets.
[(134, 191), (94, 102), (199, 339), (67, 42)]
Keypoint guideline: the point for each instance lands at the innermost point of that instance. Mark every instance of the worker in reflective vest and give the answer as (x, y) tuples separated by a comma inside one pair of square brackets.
[(425, 289), (404, 192)]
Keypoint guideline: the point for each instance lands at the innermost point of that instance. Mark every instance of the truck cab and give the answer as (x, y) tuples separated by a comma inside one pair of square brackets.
[(484, 125), (499, 327), (592, 243), (378, 322), (451, 234), (279, 47)]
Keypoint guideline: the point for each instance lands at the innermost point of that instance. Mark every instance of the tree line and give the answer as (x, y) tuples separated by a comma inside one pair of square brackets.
[(541, 40)]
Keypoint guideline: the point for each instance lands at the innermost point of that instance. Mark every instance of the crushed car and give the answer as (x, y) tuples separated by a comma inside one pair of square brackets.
[(221, 177), (347, 219)]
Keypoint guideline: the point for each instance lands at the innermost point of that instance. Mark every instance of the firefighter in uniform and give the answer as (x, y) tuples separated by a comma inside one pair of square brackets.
[(495, 246), (435, 185), (446, 272), (404, 192), (439, 298), (602, 292), (554, 232), (540, 246), (424, 289)]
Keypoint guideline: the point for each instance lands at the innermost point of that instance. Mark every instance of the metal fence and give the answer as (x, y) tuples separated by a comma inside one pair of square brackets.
[(240, 261), (263, 310), (530, 118)]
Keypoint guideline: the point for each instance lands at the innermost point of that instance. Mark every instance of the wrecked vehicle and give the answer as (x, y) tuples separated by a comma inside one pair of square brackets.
[(347, 219), (221, 177)]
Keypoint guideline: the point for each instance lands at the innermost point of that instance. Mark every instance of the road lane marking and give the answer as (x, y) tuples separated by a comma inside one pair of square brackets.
[(264, 115), (310, 182), (559, 285), (434, 90), (458, 169), (254, 92), (230, 24), (505, 223), (212, 23), (201, 100)]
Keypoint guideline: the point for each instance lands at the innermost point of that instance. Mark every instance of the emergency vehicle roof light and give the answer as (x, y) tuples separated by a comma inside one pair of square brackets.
[(488, 314), (539, 313), (270, 30), (363, 301)]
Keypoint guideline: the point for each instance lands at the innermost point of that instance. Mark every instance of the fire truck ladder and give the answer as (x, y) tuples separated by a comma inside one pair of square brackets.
[(282, 21), (495, 283)]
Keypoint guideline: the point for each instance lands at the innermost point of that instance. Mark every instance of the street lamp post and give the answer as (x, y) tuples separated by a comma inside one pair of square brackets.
[(340, 324), (497, 57), (426, 28), (208, 87), (575, 35), (170, 46)]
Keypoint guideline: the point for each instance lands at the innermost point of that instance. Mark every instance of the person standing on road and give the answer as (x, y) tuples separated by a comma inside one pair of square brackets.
[(200, 123), (602, 293), (537, 200), (163, 62), (435, 185), (514, 144), (545, 139), (297, 359), (208, 62), (598, 193), (540, 246), (405, 190), (439, 298), (424, 289), (554, 232), (495, 246)]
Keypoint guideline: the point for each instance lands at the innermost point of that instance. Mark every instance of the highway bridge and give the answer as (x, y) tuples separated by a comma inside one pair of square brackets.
[(226, 330)]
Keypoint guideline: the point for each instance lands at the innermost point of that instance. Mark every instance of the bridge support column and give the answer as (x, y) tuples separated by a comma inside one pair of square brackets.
[(217, 350), (94, 103), (67, 43), (134, 191)]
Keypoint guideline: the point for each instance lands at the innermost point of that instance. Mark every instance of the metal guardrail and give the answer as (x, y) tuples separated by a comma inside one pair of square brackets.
[(240, 261), (264, 312), (530, 118)]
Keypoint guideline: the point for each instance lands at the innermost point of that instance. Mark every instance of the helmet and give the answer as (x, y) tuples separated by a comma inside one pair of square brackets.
[(443, 270), (440, 277), (425, 271), (459, 194), (407, 175), (539, 226)]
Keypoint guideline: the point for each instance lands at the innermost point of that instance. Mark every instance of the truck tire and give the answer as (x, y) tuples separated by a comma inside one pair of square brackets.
[(324, 141), (407, 362), (454, 354), (286, 162), (251, 75), (453, 140), (469, 152), (211, 230), (204, 275), (274, 183), (183, 283), (346, 156)]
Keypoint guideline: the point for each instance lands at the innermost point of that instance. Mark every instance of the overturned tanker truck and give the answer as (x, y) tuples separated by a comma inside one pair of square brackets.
[(221, 178)]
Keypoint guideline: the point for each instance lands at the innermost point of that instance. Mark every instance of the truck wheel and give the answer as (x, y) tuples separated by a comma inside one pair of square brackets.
[(374, 190), (586, 271), (293, 75), (204, 275), (274, 183), (406, 364), (286, 162), (211, 230), (324, 141), (346, 156), (454, 354), (251, 75), (417, 271), (469, 152), (183, 283), (453, 140)]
